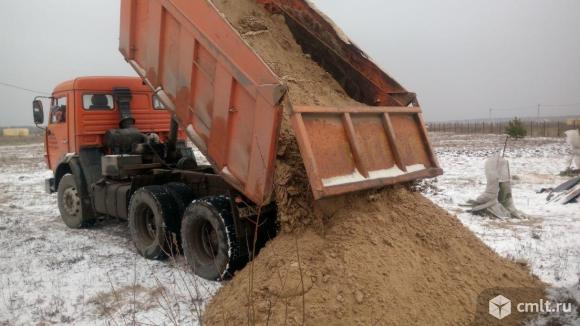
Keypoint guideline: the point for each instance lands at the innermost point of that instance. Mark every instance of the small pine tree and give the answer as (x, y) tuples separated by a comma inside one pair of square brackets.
[(515, 129)]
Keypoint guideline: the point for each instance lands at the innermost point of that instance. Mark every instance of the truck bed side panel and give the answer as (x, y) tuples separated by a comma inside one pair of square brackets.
[(224, 96)]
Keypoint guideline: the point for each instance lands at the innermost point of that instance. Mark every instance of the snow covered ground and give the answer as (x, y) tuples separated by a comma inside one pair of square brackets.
[(549, 239), (53, 275)]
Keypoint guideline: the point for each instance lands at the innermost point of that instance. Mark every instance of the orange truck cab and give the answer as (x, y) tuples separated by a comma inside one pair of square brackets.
[(82, 110)]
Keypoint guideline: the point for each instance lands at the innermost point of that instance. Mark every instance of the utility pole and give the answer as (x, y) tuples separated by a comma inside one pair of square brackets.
[(539, 110), (490, 113)]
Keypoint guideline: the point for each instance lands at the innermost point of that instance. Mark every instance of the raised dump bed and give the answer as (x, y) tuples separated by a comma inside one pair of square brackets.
[(231, 104)]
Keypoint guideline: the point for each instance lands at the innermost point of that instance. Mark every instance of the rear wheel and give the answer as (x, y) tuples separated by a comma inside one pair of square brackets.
[(209, 239), (149, 210), (69, 204)]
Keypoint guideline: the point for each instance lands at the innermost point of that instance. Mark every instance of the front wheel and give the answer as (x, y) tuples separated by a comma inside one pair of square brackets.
[(69, 204), (209, 239)]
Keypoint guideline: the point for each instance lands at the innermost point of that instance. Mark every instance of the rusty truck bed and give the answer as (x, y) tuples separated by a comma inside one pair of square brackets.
[(229, 101)]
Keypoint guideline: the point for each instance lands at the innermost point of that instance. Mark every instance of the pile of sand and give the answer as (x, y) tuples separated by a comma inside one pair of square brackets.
[(388, 257)]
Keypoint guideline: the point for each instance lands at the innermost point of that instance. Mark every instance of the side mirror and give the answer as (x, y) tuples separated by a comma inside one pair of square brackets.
[(38, 112)]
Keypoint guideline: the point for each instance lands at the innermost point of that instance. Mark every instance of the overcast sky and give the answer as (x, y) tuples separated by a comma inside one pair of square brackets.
[(461, 57)]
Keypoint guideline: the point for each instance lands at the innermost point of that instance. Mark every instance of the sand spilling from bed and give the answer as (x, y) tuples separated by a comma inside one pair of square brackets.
[(308, 84), (384, 257)]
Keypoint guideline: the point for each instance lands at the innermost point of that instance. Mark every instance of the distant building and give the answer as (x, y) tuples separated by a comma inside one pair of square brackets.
[(15, 132)]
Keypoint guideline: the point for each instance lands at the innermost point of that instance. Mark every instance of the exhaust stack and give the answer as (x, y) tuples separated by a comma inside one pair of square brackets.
[(123, 98)]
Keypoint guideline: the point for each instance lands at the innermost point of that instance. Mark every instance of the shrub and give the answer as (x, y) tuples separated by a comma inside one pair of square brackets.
[(515, 129)]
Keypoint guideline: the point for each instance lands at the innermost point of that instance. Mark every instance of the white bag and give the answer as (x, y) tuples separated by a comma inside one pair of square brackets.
[(497, 173), (573, 139)]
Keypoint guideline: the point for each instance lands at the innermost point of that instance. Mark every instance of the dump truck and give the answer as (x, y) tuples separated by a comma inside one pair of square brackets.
[(220, 93)]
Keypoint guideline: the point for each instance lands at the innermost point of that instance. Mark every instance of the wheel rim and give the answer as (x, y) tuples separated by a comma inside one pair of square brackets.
[(209, 240), (146, 225), (71, 201)]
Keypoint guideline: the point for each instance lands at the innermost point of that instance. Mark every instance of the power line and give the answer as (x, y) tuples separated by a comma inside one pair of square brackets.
[(560, 105), (538, 108), (23, 88), (531, 107)]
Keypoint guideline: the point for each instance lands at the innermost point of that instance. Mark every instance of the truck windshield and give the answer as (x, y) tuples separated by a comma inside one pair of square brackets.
[(98, 102)]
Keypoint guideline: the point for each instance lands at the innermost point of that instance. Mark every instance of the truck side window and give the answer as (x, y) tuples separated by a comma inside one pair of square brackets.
[(58, 110), (98, 102), (157, 105)]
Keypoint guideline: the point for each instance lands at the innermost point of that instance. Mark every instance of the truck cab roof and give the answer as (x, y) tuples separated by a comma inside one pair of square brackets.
[(102, 83)]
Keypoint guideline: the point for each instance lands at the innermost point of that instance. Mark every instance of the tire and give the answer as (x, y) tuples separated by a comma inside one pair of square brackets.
[(69, 204), (150, 210), (209, 239), (183, 196)]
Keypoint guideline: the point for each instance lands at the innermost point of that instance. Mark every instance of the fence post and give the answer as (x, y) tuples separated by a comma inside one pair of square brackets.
[(545, 128)]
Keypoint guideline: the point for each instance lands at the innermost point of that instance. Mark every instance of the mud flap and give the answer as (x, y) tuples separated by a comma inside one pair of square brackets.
[(81, 181), (49, 186)]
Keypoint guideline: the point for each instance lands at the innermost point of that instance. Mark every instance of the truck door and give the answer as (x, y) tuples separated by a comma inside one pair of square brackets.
[(57, 130)]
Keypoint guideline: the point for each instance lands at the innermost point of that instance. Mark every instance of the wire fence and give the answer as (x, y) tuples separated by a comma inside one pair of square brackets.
[(534, 128)]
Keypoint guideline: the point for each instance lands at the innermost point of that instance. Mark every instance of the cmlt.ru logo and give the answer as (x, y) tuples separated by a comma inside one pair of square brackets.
[(500, 307)]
